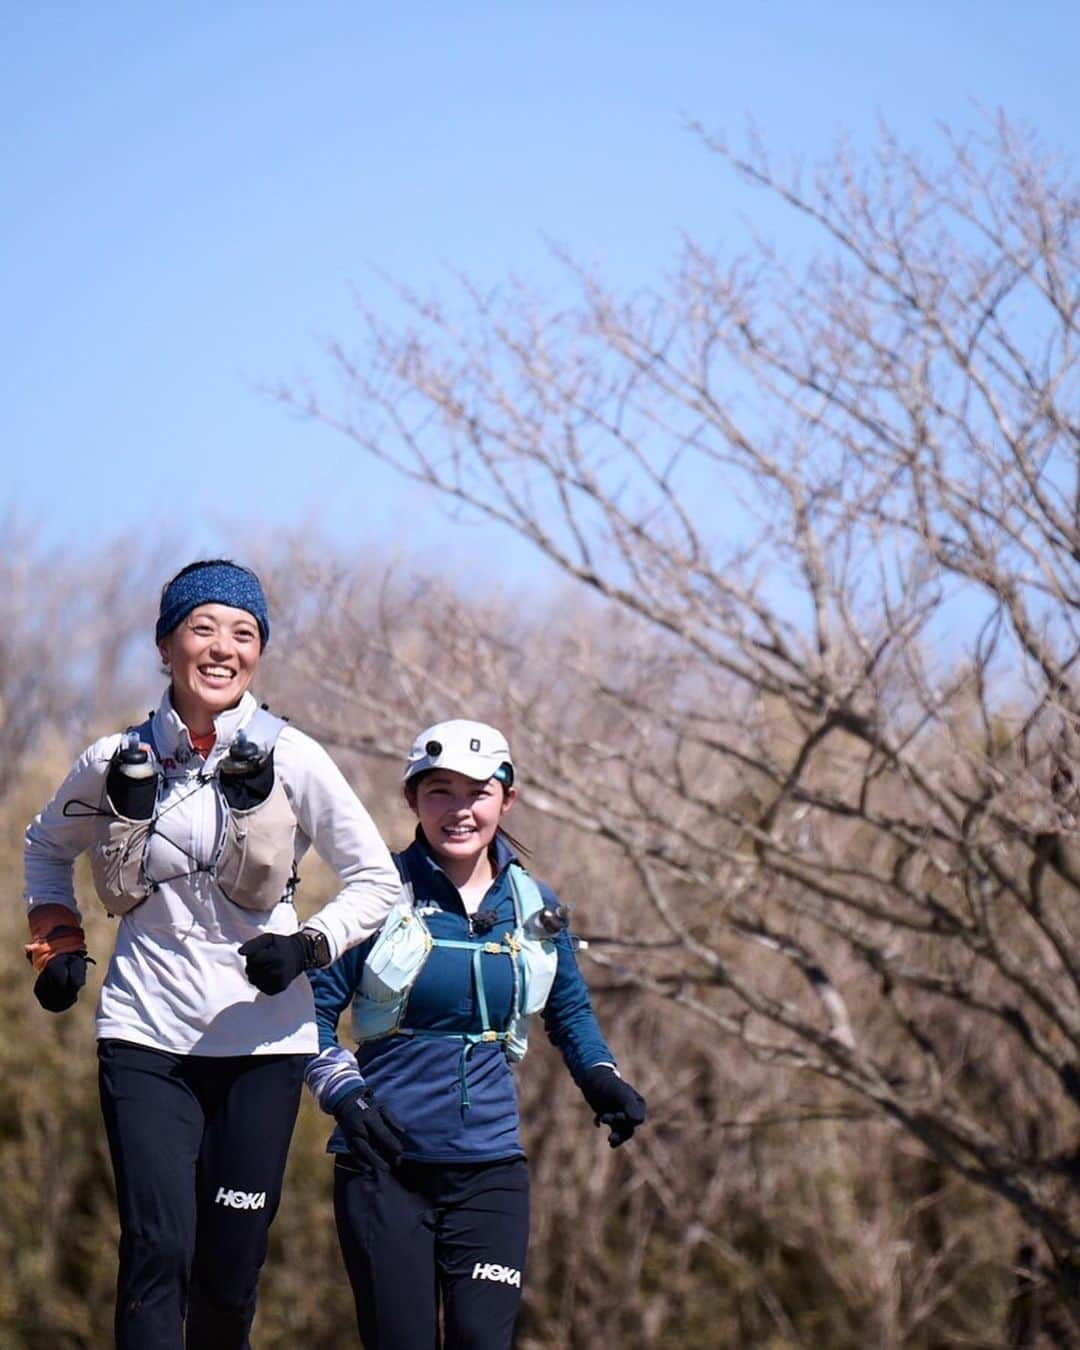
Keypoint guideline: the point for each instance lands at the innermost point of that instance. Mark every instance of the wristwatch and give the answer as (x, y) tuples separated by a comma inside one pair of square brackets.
[(318, 949)]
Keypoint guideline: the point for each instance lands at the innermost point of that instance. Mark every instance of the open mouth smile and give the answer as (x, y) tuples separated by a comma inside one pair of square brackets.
[(459, 831), (216, 674)]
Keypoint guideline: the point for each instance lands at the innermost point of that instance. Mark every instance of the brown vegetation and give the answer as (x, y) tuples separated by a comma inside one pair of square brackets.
[(759, 1207), (828, 738), (805, 769)]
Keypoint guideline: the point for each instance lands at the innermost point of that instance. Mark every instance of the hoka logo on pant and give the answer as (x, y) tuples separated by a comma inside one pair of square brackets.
[(490, 1270), (240, 1199)]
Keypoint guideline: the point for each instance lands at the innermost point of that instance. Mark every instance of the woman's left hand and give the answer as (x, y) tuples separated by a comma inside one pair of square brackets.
[(614, 1102), (371, 1132)]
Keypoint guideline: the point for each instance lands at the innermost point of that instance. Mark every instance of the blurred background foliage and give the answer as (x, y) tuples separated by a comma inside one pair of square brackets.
[(797, 722), (759, 1207)]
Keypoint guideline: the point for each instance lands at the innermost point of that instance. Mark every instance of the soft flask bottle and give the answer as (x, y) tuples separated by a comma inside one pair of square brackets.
[(132, 780)]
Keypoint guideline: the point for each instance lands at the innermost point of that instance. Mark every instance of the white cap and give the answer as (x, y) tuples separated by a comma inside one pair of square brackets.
[(472, 748)]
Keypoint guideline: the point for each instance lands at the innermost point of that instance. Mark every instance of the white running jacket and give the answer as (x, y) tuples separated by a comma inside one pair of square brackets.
[(176, 981)]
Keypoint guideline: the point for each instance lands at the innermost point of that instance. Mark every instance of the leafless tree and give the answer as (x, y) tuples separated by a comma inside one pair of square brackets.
[(829, 511), (68, 629)]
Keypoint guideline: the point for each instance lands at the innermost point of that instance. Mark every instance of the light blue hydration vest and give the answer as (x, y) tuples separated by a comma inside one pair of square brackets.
[(404, 944)]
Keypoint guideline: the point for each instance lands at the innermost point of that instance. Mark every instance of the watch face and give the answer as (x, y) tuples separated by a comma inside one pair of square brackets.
[(320, 946)]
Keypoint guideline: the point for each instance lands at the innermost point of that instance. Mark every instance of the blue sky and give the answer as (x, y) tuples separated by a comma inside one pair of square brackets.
[(190, 190)]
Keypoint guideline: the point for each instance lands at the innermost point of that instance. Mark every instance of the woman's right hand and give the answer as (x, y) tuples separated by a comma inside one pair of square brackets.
[(58, 985)]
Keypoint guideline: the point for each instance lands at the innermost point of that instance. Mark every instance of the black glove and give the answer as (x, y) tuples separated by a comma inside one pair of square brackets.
[(58, 985), (370, 1131), (273, 960), (614, 1102)]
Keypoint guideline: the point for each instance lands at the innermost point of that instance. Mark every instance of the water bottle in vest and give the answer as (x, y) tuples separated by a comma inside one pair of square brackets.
[(547, 922), (132, 780), (247, 773)]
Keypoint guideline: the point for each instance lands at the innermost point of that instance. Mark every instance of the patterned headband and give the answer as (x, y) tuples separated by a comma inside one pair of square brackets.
[(212, 583)]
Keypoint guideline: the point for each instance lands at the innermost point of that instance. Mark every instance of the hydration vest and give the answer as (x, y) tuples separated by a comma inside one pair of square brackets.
[(254, 860), (404, 944)]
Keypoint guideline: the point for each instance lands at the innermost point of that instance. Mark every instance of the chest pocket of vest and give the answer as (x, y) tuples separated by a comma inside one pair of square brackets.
[(116, 862), (255, 867), (541, 961), (390, 971), (539, 957)]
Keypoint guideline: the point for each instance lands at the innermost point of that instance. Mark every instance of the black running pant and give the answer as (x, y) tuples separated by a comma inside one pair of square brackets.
[(198, 1148), (429, 1232)]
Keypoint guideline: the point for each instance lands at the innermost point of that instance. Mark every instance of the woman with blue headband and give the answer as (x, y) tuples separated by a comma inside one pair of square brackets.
[(194, 823)]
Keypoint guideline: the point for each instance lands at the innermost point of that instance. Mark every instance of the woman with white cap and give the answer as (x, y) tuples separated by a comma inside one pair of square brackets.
[(431, 1186), (194, 822)]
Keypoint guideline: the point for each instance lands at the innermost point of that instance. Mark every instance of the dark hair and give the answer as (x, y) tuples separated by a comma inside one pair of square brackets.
[(515, 844), (204, 562), (409, 789)]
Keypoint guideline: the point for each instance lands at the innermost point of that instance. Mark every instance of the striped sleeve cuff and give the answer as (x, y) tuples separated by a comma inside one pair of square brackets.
[(331, 1075)]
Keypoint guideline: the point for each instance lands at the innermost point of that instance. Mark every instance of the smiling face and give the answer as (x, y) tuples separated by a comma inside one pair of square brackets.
[(459, 817), (212, 656)]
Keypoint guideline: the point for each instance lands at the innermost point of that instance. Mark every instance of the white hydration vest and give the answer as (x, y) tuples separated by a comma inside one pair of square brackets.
[(253, 864)]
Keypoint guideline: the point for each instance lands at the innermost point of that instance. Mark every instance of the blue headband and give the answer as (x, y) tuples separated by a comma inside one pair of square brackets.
[(212, 584)]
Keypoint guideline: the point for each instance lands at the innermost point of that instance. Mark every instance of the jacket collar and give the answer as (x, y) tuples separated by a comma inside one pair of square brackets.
[(421, 863), (171, 736)]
